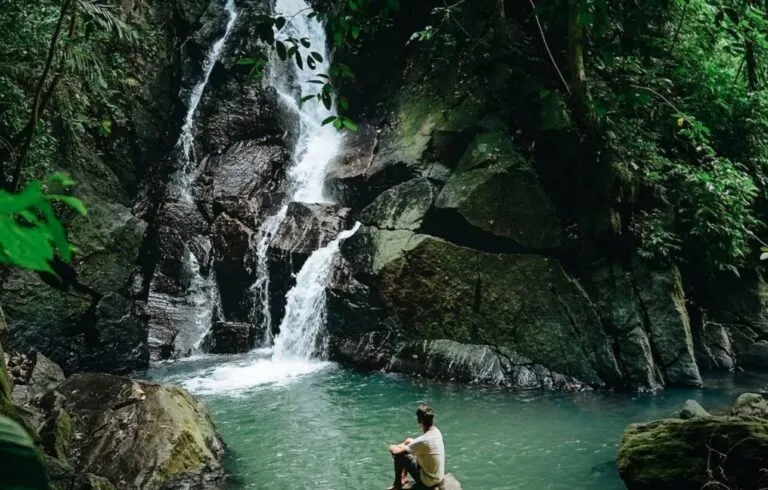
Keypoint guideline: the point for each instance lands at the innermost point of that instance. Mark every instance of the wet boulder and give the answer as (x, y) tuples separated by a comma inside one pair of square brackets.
[(150, 436), (402, 207), (232, 241), (250, 172), (230, 338)]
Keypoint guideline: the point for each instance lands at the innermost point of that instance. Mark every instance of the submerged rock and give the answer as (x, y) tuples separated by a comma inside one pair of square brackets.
[(149, 436), (719, 451)]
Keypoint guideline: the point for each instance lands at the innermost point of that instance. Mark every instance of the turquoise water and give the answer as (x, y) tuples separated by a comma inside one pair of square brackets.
[(316, 426)]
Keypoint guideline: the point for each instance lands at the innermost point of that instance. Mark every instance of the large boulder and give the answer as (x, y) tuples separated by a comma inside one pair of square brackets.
[(431, 289), (494, 190), (700, 452), (244, 179), (402, 207), (644, 309), (149, 436), (232, 241), (230, 338)]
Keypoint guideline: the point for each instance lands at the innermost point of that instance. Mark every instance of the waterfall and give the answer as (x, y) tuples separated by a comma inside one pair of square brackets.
[(184, 176), (315, 148), (259, 291), (202, 298), (191, 316), (305, 312), (315, 145)]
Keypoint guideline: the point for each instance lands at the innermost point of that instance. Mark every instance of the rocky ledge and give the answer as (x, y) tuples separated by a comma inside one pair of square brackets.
[(699, 450)]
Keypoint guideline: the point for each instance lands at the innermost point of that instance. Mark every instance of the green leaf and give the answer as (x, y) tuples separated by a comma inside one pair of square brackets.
[(355, 31), (280, 22), (299, 60), (317, 56), (62, 179), (246, 61), (22, 466), (281, 51), (70, 201), (337, 124), (349, 124), (305, 42), (328, 120), (344, 103), (311, 63), (327, 100)]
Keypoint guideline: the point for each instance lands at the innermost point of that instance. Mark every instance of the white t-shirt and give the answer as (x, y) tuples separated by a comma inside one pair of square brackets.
[(429, 451)]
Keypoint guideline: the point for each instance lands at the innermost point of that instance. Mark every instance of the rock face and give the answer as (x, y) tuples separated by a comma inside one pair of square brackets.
[(523, 305), (149, 436), (230, 338), (492, 190), (305, 228), (690, 454)]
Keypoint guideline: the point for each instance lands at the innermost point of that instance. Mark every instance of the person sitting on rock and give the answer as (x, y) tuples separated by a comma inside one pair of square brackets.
[(423, 457)]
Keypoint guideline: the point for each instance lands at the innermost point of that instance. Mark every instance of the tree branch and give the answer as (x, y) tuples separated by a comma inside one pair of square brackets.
[(546, 46)]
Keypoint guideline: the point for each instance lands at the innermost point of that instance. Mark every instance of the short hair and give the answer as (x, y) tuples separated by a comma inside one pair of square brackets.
[(425, 415)]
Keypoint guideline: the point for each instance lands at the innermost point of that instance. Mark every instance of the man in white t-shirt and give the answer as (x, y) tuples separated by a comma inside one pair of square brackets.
[(424, 457)]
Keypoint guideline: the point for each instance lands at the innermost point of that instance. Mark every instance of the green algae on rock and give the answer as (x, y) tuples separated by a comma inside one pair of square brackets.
[(151, 436), (675, 454)]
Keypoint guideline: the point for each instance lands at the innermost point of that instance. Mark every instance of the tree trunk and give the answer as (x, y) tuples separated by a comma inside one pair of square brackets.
[(578, 73), (42, 97)]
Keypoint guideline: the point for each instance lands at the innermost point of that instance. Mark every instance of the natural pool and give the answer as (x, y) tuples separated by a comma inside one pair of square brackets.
[(299, 425)]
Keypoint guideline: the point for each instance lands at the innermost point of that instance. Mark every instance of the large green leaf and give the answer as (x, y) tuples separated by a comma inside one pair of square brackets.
[(20, 463)]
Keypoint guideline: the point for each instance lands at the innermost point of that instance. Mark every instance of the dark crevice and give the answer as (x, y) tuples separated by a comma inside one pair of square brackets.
[(646, 320), (574, 325)]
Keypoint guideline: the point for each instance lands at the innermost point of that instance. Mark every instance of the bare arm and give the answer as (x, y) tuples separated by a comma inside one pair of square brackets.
[(396, 449)]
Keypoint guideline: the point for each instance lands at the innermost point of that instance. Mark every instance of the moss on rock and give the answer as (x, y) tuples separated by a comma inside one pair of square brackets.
[(676, 454)]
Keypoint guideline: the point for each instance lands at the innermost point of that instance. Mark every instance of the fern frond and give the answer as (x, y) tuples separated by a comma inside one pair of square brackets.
[(105, 16)]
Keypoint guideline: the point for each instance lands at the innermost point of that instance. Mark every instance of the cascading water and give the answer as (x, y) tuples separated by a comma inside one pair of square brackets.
[(184, 176), (305, 312), (316, 145), (202, 296)]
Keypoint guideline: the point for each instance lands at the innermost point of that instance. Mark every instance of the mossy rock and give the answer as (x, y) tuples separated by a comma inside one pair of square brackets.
[(151, 436), (525, 303), (676, 454)]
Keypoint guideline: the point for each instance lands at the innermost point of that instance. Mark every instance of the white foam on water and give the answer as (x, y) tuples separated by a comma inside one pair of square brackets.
[(238, 377)]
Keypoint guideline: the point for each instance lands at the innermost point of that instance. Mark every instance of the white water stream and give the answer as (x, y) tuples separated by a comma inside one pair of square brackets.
[(296, 346), (202, 296), (186, 144)]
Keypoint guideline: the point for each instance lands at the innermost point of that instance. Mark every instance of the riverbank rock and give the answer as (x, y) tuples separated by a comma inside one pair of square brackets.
[(430, 289), (726, 451), (149, 436)]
